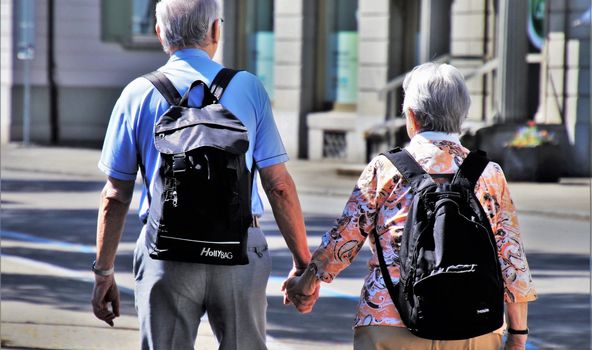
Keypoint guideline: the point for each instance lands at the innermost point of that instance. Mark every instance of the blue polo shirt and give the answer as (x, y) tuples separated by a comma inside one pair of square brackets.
[(131, 127)]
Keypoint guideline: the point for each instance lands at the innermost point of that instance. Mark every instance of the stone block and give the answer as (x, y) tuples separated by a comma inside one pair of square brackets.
[(287, 124), (288, 28), (286, 98), (373, 27), (373, 6), (288, 7), (475, 85), (555, 81), (287, 76), (468, 26), (476, 109), (466, 47), (551, 109), (555, 52), (372, 77), (369, 103), (373, 52), (315, 144), (288, 52)]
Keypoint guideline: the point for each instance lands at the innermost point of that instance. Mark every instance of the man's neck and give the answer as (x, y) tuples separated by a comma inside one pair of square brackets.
[(209, 49)]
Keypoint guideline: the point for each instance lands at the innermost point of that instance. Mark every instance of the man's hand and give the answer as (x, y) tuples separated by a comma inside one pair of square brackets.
[(302, 294), (296, 271), (302, 289), (516, 342), (105, 292)]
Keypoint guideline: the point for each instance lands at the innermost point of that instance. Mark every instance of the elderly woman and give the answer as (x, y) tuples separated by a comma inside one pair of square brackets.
[(435, 105)]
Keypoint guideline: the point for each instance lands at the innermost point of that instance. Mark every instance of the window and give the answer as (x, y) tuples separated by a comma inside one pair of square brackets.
[(130, 23), (338, 59), (255, 44)]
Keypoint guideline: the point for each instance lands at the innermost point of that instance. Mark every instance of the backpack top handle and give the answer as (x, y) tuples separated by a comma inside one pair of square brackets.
[(208, 97)]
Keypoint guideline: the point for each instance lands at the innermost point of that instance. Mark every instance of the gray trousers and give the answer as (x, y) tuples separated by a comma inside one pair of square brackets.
[(171, 297)]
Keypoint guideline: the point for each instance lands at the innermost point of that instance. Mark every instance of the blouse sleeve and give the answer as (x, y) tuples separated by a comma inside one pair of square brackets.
[(342, 243), (498, 204)]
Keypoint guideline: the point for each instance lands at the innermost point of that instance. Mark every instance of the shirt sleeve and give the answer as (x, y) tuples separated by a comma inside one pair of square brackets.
[(269, 148), (499, 206), (119, 154), (341, 244)]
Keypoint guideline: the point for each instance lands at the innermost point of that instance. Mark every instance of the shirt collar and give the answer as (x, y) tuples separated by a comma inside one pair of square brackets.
[(187, 53), (433, 136)]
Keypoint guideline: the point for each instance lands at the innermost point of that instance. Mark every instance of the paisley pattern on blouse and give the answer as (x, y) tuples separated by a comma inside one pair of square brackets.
[(380, 201)]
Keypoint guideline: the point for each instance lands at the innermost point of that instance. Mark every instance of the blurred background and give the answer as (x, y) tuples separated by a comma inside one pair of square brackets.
[(333, 70)]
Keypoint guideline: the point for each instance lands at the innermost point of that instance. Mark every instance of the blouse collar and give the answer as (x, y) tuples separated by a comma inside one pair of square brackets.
[(433, 136)]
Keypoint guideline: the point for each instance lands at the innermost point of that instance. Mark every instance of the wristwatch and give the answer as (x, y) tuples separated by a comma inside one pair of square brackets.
[(517, 331), (101, 272)]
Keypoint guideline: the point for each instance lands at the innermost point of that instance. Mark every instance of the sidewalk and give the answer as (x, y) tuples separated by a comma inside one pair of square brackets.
[(319, 180), (326, 178)]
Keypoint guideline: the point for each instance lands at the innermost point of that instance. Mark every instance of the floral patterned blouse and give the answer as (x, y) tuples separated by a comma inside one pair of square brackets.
[(380, 201)]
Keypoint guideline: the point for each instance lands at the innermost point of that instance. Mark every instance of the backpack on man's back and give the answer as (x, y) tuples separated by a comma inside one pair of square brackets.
[(450, 284), (200, 210)]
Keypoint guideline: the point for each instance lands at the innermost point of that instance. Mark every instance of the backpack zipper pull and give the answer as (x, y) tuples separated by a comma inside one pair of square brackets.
[(175, 199)]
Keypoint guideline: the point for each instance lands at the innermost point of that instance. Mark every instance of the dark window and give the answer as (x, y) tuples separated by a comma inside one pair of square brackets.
[(130, 23)]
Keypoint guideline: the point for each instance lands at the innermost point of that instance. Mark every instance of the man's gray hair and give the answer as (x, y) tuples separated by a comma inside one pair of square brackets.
[(438, 96), (185, 23)]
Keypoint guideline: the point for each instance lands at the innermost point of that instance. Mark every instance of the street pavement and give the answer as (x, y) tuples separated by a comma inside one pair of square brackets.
[(49, 199)]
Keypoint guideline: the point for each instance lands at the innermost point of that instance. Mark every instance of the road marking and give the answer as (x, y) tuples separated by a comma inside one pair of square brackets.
[(34, 239)]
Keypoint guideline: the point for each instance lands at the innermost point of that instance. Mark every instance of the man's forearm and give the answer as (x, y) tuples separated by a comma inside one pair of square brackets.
[(288, 215), (112, 213)]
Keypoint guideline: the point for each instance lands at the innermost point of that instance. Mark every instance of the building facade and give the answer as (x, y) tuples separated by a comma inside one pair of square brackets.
[(333, 68)]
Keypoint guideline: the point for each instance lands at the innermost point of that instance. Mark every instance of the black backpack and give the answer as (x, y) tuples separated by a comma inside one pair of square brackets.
[(450, 284), (201, 206)]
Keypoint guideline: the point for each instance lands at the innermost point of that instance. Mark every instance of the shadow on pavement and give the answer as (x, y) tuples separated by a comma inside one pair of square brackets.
[(561, 321), (59, 292), (12, 185), (558, 262), (76, 226), (330, 321)]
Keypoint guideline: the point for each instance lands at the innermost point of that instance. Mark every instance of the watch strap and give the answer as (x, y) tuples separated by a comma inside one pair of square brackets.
[(517, 331), (101, 272)]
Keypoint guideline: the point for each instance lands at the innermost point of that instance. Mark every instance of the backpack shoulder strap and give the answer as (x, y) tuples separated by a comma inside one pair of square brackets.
[(471, 169), (221, 81), (165, 87), (408, 166)]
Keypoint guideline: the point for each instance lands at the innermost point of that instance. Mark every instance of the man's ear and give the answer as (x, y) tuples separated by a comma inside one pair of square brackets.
[(157, 30), (216, 31)]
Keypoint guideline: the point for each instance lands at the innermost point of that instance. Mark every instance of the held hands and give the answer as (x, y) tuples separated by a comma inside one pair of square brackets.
[(104, 292), (516, 342), (301, 288)]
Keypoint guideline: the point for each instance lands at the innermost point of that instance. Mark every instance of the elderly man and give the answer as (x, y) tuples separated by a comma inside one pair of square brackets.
[(172, 296)]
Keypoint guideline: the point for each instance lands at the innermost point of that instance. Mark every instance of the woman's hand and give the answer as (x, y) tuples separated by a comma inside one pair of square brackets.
[(516, 342)]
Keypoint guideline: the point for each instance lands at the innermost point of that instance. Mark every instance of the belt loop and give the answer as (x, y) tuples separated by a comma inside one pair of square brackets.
[(255, 222)]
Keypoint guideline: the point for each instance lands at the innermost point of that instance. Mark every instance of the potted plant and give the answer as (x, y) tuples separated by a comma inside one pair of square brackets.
[(532, 155)]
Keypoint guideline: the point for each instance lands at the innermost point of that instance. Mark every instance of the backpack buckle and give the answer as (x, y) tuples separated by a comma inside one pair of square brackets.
[(179, 163)]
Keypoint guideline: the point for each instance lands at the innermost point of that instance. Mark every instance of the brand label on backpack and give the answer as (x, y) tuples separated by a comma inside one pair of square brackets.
[(220, 254)]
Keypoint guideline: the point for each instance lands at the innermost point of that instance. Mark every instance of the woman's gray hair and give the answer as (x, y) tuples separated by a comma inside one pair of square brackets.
[(185, 23), (438, 96)]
